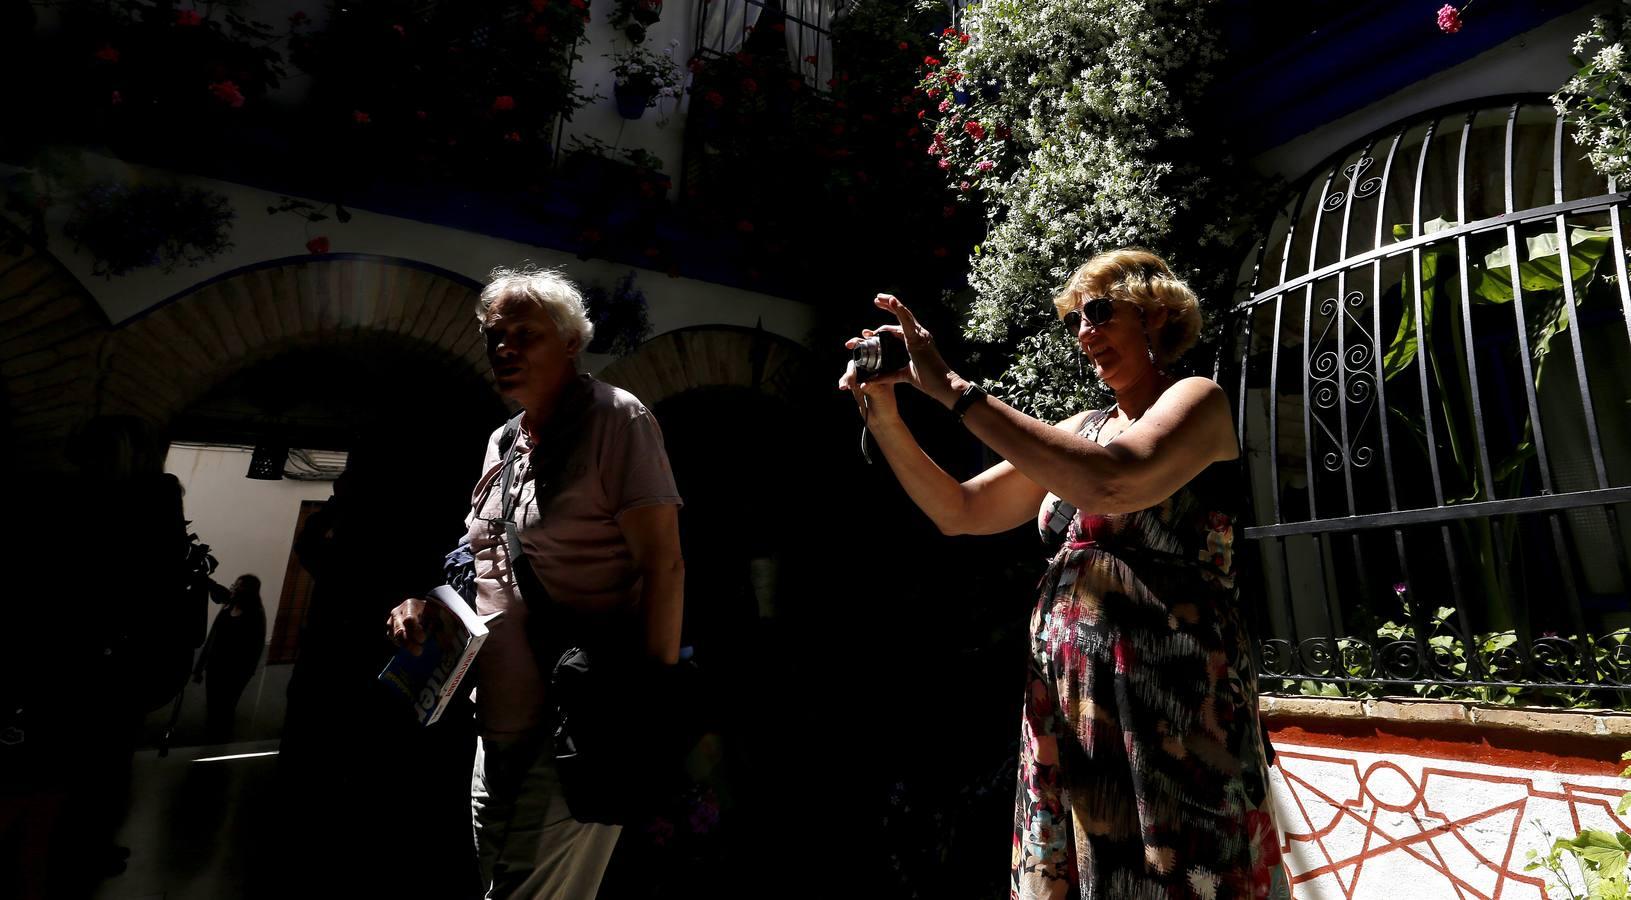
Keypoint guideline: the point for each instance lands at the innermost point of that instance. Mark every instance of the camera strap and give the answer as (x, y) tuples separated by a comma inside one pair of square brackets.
[(866, 407)]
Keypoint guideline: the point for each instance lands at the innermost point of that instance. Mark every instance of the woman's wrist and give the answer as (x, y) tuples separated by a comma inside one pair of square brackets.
[(951, 389)]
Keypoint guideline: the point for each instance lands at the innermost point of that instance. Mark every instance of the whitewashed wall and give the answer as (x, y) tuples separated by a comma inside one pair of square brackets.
[(248, 524), (1381, 826)]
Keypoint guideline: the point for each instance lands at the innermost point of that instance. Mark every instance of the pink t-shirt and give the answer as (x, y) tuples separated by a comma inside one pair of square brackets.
[(576, 546)]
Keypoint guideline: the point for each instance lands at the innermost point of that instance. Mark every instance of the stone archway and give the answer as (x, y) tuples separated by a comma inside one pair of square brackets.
[(51, 331), (712, 356), (67, 363)]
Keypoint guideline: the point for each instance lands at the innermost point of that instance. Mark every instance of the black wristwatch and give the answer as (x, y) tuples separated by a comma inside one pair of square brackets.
[(970, 394)]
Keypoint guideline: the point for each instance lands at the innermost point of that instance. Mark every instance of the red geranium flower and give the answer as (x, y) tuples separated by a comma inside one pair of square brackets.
[(975, 129), (1449, 19), (930, 61), (744, 226), (187, 18), (948, 32), (963, 38), (317, 244), (579, 4), (503, 103), (227, 92), (921, 113), (360, 117), (513, 137), (538, 5), (715, 99), (904, 46), (932, 93), (107, 53)]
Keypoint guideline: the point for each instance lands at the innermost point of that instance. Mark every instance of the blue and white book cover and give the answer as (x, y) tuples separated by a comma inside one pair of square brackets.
[(454, 634)]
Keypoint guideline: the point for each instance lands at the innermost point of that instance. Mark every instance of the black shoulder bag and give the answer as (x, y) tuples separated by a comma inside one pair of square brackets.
[(617, 742)]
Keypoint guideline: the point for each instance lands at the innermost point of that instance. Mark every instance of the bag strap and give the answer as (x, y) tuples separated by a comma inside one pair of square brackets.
[(1064, 511), (532, 590)]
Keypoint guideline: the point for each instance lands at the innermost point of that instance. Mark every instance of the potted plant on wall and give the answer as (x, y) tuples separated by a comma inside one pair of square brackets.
[(633, 17), (643, 79)]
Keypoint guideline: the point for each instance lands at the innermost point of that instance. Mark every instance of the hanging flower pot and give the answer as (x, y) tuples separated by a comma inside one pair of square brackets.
[(961, 96), (991, 89), (632, 101)]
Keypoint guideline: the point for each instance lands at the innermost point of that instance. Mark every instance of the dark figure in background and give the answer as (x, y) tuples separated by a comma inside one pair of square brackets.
[(231, 653), (342, 760), (115, 646)]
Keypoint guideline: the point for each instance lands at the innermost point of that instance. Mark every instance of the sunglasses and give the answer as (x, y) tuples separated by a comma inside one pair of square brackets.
[(1096, 310)]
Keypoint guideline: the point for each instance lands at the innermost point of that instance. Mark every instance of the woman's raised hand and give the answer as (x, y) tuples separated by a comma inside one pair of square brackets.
[(928, 371)]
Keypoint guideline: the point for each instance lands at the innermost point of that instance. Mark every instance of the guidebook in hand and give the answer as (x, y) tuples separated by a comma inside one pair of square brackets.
[(453, 635)]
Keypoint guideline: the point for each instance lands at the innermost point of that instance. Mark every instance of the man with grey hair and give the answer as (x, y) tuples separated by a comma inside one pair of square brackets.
[(597, 511)]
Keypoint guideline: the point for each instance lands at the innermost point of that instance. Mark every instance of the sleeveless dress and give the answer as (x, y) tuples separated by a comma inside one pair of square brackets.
[(1143, 769)]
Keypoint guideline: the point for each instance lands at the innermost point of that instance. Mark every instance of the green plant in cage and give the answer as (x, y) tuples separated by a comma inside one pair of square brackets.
[(1538, 268), (1600, 857)]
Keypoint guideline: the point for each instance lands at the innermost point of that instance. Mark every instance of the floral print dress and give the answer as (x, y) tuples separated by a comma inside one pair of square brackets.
[(1143, 769)]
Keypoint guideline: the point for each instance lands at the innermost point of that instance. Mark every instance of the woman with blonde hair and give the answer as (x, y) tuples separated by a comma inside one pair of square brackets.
[(1143, 770)]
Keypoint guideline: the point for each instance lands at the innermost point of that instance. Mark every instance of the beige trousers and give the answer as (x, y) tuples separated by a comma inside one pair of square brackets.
[(528, 846)]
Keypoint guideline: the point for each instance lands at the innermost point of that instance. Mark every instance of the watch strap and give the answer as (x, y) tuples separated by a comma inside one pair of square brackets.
[(970, 394)]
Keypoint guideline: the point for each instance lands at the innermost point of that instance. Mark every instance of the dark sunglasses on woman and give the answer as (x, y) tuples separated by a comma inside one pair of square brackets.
[(1097, 310)]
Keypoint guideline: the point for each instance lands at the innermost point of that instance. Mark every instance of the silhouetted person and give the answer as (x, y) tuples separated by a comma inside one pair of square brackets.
[(379, 536), (110, 638), (231, 654)]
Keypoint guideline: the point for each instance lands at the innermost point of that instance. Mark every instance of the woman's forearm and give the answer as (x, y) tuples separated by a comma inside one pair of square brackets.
[(1070, 466), (941, 497)]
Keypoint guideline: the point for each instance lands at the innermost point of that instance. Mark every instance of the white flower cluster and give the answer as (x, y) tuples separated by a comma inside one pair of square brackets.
[(1079, 149), (657, 74), (1597, 100)]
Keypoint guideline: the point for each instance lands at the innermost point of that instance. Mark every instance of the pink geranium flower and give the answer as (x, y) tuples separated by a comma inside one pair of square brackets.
[(1449, 19), (227, 92)]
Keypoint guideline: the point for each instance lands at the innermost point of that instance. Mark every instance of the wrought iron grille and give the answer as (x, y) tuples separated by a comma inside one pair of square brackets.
[(723, 27), (1428, 371)]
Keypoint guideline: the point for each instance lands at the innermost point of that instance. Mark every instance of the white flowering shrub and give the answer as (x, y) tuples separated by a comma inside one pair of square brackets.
[(1597, 100), (1071, 122)]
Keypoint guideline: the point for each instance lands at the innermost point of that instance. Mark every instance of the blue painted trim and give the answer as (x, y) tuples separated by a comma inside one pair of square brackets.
[(1365, 57), (438, 271), (545, 220)]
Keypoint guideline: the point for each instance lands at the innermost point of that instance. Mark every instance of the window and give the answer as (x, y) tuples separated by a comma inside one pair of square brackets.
[(1426, 367)]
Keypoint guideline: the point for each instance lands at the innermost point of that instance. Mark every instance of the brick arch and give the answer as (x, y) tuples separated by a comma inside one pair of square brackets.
[(52, 333), (157, 364), (712, 356)]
